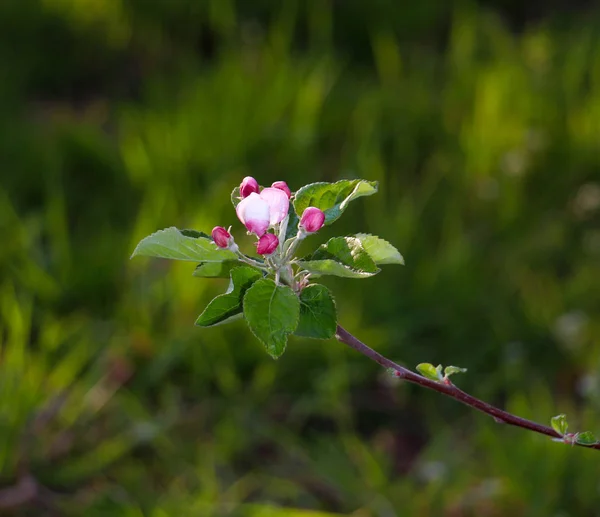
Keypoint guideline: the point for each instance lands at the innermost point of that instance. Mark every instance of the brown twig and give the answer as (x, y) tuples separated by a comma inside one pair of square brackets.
[(24, 491), (449, 389)]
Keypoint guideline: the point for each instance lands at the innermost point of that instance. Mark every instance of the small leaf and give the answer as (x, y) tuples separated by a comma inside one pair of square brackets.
[(340, 256), (381, 251), (272, 312), (317, 313), (559, 424), (451, 370), (226, 306), (332, 198), (172, 243), (430, 371), (292, 228), (586, 438), (236, 197), (215, 269)]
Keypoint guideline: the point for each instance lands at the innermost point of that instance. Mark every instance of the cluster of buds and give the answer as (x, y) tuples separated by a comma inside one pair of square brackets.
[(262, 210)]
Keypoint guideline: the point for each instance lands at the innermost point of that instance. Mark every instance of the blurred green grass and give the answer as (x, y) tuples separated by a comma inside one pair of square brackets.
[(120, 117)]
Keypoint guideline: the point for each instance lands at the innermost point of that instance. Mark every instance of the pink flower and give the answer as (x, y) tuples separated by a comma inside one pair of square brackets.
[(279, 204), (248, 186), (221, 236), (259, 211), (267, 244), (312, 219), (282, 185)]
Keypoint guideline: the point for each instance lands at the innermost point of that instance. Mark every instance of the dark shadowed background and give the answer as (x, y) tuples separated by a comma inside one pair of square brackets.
[(481, 122)]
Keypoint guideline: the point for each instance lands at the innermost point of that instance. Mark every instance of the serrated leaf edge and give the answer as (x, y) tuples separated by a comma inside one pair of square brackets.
[(334, 306), (359, 235), (252, 330)]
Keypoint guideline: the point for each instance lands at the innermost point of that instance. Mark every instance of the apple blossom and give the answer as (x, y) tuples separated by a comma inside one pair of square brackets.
[(312, 219), (253, 212), (259, 211), (248, 186), (221, 237), (267, 244), (282, 185), (279, 204)]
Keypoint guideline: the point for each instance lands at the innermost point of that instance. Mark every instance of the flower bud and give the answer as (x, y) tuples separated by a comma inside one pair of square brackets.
[(282, 185), (221, 236), (248, 186), (267, 244), (312, 219)]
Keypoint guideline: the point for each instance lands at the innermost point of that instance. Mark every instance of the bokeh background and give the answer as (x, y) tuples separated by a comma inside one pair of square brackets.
[(481, 121)]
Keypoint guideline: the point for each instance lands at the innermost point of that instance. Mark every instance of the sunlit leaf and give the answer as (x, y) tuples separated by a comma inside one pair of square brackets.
[(430, 371), (451, 370), (340, 256), (381, 251), (332, 198), (559, 424), (172, 243)]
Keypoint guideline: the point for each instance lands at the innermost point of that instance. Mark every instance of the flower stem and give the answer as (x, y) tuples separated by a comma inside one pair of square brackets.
[(251, 261), (289, 253), (448, 389)]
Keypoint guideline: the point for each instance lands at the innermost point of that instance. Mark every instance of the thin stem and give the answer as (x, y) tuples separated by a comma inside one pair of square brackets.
[(251, 261), (282, 231), (289, 253), (449, 389)]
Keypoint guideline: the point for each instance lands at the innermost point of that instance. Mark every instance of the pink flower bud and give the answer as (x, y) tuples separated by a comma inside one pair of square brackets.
[(248, 186), (221, 236), (282, 185), (312, 219), (267, 244)]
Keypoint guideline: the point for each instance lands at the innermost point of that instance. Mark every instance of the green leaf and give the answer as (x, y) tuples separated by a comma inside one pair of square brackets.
[(317, 313), (559, 424), (381, 251), (340, 256), (332, 198), (430, 371), (236, 197), (228, 305), (215, 269), (292, 228), (586, 438), (172, 243), (272, 312), (195, 234), (451, 370)]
